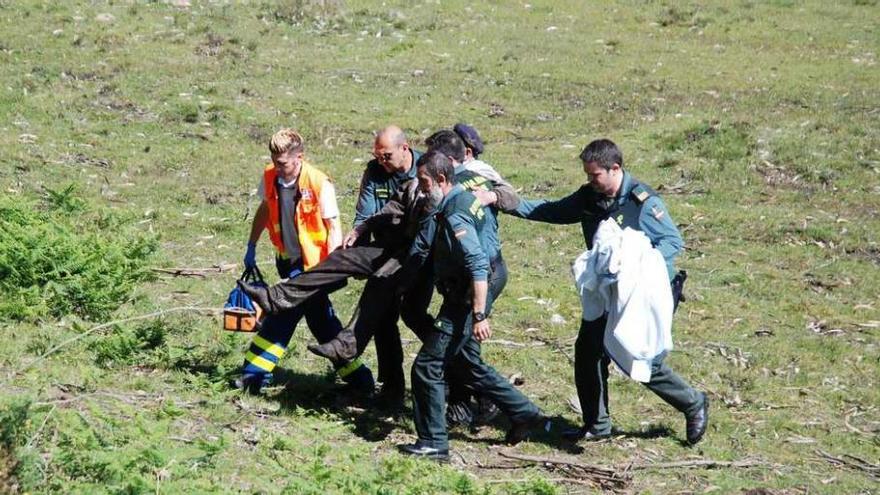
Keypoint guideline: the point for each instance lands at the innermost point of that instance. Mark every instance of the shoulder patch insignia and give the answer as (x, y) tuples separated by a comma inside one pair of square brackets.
[(642, 196), (460, 233), (657, 213)]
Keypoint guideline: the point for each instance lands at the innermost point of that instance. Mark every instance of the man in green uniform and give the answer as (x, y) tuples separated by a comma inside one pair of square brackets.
[(613, 193), (475, 175), (383, 177), (461, 273), (417, 273)]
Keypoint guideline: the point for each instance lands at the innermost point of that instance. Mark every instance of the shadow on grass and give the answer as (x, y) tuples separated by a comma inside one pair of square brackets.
[(555, 439), (372, 420), (501, 425), (294, 390), (650, 431)]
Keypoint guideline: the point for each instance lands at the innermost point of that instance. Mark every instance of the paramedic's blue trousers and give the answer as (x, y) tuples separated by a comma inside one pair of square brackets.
[(271, 342)]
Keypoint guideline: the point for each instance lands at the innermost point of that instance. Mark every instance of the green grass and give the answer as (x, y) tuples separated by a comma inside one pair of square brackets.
[(757, 121), (65, 260)]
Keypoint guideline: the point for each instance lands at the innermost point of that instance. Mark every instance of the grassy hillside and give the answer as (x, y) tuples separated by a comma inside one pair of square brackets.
[(133, 135)]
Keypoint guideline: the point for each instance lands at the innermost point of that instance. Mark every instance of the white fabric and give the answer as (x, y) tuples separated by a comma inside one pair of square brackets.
[(329, 208), (624, 277), (482, 168), (261, 189)]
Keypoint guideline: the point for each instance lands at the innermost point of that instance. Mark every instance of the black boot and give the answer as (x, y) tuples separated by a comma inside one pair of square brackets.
[(340, 349), (696, 424), (419, 449)]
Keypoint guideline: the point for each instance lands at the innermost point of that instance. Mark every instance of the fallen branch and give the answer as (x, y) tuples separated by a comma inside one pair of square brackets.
[(55, 348), (40, 429), (556, 346), (196, 272), (850, 427), (134, 399), (510, 343), (601, 476), (855, 463), (618, 477), (696, 463), (574, 481), (498, 466)]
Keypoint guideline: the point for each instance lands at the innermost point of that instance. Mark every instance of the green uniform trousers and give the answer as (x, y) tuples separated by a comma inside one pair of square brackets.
[(451, 342), (591, 378)]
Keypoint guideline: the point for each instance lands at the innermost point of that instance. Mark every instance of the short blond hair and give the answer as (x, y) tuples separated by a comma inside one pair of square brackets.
[(286, 140)]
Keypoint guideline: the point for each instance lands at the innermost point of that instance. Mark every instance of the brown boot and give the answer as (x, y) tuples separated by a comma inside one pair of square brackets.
[(259, 295), (341, 349)]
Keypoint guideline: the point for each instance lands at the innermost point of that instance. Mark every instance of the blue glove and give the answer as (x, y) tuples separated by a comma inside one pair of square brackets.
[(250, 257)]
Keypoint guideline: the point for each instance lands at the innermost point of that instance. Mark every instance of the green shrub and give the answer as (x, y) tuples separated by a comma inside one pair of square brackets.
[(537, 486), (61, 260), (125, 345), (14, 419)]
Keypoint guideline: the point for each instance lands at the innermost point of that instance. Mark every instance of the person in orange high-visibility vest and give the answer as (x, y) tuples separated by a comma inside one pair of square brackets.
[(299, 210)]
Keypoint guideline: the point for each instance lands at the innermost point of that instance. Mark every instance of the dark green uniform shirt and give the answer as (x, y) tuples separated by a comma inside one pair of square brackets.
[(636, 206), (471, 181), (427, 231), (459, 257), (378, 186)]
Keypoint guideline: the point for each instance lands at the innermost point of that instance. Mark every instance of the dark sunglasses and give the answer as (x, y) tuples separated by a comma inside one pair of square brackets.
[(382, 156)]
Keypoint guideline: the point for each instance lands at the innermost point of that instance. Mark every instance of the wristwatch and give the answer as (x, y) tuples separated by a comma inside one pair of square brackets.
[(479, 316)]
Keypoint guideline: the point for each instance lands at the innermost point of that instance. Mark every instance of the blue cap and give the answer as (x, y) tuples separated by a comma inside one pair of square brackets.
[(470, 137)]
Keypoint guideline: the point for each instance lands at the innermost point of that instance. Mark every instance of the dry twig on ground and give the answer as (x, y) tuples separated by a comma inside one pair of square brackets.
[(556, 346), (696, 463), (852, 462), (196, 272), (578, 472), (619, 477)]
